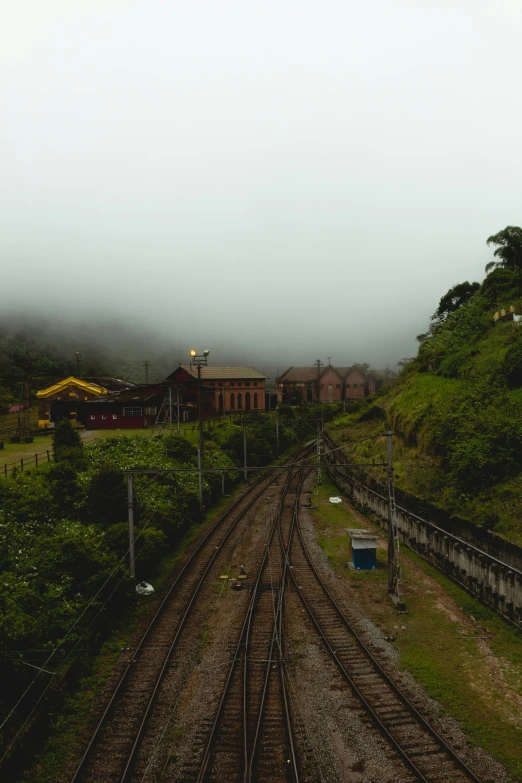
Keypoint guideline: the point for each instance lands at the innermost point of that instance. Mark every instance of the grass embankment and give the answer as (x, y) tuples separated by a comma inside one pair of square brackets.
[(462, 653), (456, 412), (495, 505)]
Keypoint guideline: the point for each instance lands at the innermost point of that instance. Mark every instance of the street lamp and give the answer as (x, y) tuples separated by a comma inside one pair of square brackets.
[(199, 362)]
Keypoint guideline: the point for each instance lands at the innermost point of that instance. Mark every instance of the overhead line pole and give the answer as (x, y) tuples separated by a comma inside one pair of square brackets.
[(245, 451), (394, 569), (130, 509)]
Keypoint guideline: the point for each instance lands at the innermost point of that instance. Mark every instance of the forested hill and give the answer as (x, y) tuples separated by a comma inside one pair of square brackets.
[(457, 408), (25, 357), (44, 351)]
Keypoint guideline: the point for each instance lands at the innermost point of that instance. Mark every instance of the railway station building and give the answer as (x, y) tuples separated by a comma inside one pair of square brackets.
[(330, 384), (224, 389), (68, 398)]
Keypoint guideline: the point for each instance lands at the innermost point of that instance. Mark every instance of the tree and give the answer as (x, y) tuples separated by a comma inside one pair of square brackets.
[(451, 301), (509, 249), (67, 444)]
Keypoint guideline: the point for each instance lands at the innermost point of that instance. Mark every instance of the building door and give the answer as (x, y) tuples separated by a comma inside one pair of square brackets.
[(330, 392), (247, 401), (220, 402)]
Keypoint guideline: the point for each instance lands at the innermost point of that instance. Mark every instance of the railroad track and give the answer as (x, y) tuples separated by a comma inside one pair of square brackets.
[(427, 757), (111, 753), (251, 737)]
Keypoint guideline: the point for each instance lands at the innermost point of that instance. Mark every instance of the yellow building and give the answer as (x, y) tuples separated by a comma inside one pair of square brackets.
[(66, 397)]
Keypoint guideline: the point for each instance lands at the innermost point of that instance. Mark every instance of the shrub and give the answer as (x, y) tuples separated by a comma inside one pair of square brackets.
[(512, 367), (67, 444)]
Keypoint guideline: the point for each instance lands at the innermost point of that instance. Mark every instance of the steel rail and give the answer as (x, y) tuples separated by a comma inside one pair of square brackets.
[(425, 725), (162, 607), (277, 639), (245, 630)]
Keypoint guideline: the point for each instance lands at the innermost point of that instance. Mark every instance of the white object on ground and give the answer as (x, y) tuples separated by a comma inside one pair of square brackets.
[(335, 500), (144, 588)]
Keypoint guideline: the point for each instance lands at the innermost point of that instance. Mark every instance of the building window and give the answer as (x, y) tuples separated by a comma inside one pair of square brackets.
[(92, 415), (232, 401), (114, 415), (347, 385), (150, 411), (337, 385), (104, 416), (255, 383), (85, 398), (247, 384), (132, 411), (255, 399), (232, 384), (247, 401), (239, 401)]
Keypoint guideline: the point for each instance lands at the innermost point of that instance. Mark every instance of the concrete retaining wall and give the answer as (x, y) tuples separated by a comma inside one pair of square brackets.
[(493, 581)]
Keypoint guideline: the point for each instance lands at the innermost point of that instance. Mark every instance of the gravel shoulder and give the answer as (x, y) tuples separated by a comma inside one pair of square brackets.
[(469, 662)]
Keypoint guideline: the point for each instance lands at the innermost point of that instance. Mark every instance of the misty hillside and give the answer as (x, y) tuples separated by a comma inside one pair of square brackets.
[(457, 410), (42, 350)]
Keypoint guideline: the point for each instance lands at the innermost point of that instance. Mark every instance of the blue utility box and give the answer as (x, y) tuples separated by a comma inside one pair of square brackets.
[(363, 548)]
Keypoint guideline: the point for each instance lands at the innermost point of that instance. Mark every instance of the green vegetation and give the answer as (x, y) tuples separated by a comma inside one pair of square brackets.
[(461, 652), (456, 409), (64, 551)]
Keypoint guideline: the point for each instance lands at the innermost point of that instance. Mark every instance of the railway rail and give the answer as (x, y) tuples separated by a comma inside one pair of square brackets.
[(251, 737), (422, 750), (113, 747)]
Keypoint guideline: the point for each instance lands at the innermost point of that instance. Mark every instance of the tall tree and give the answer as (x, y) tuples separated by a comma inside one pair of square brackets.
[(454, 299), (509, 249)]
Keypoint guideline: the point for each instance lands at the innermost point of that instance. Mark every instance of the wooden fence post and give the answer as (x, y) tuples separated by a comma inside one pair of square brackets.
[(48, 457), (22, 464), (36, 460)]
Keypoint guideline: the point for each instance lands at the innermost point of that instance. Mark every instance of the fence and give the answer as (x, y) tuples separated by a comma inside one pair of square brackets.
[(23, 462), (491, 576)]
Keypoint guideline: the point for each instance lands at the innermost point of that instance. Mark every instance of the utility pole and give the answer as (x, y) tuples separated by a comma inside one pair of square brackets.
[(179, 425), (78, 357), (394, 568), (319, 456), (318, 363), (245, 451), (130, 509), (277, 432), (200, 481), (200, 422), (146, 364), (199, 362), (170, 410)]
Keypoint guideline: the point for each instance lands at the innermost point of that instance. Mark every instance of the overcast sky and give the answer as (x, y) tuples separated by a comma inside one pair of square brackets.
[(283, 179)]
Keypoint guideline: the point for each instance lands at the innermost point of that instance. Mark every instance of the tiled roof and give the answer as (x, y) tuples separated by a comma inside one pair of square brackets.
[(112, 384), (304, 374), (295, 374), (224, 373)]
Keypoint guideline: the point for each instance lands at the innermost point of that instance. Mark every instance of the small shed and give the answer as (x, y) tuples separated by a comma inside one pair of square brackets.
[(363, 548)]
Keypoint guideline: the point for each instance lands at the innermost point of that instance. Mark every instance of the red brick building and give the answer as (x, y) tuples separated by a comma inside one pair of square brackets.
[(330, 384), (224, 389)]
